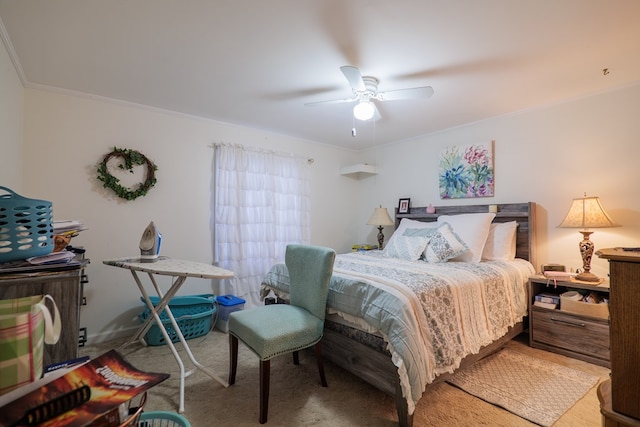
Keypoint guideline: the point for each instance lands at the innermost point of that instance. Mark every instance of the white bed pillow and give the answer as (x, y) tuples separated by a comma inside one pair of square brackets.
[(473, 229), (501, 242), (444, 244), (406, 223)]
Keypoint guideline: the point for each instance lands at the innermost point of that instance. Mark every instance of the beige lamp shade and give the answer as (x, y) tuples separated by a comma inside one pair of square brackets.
[(587, 212), (380, 217)]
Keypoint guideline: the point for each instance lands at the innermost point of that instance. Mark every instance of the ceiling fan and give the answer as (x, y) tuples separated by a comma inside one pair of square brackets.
[(365, 90)]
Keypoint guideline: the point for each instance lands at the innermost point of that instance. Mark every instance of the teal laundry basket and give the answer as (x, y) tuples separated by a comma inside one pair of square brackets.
[(162, 419), (26, 227), (194, 314)]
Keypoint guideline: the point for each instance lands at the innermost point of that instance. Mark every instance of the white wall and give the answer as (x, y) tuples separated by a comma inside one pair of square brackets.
[(547, 156), (67, 136), (11, 116)]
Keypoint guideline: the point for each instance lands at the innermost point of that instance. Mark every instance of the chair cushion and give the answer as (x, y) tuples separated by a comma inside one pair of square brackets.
[(275, 329)]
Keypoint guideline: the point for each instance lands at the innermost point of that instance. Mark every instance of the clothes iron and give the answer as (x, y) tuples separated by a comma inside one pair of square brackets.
[(150, 243)]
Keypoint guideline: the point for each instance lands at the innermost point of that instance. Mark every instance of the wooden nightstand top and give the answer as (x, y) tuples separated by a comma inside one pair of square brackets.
[(539, 278)]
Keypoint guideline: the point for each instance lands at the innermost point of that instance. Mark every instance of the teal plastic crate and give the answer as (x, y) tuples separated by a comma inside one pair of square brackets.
[(194, 314)]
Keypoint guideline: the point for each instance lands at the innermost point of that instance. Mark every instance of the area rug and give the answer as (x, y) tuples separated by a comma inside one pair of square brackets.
[(533, 389)]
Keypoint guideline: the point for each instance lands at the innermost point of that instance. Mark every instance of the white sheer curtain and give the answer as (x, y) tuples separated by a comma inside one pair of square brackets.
[(261, 204)]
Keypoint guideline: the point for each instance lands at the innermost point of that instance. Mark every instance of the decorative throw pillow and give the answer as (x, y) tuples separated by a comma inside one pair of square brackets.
[(406, 247), (406, 223), (427, 232), (444, 245), (473, 229), (501, 242)]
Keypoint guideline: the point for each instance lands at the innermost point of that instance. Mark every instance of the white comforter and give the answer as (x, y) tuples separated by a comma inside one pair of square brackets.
[(431, 315)]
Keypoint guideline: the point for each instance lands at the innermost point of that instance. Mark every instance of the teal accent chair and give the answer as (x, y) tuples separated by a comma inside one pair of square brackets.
[(277, 329)]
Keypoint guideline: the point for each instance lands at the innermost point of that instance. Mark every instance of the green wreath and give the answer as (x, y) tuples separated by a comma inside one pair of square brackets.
[(130, 158)]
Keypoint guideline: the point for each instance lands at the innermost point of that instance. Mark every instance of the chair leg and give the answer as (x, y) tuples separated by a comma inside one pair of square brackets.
[(265, 366), (233, 358), (318, 348), (296, 358)]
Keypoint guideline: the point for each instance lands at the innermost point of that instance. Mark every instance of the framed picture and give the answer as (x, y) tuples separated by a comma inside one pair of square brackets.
[(403, 205), (466, 171)]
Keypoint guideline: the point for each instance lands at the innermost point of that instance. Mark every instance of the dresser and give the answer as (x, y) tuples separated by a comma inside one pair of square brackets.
[(624, 277), (65, 286)]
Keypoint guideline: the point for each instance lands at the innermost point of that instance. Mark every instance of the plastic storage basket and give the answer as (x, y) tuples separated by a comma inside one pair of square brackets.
[(195, 315), (26, 227), (162, 419)]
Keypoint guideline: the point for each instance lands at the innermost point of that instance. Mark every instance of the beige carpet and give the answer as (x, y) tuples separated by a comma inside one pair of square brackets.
[(529, 387), (297, 399)]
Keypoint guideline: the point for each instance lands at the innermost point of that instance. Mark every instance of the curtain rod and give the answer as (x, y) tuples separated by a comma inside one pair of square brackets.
[(309, 160)]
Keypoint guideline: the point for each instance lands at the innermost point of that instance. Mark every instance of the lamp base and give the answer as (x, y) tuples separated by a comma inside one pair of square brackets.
[(380, 237), (587, 276)]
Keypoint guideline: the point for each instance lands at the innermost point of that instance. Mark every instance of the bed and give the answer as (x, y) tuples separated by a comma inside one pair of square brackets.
[(403, 324)]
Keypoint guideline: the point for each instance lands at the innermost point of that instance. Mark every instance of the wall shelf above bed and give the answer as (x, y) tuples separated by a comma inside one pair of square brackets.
[(361, 169)]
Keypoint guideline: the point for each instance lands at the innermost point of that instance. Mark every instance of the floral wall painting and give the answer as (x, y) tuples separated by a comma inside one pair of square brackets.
[(466, 171)]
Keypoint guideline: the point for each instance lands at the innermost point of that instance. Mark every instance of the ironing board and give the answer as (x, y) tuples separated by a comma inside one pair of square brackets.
[(179, 270)]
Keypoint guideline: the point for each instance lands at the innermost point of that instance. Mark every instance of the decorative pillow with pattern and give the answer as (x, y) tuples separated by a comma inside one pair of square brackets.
[(409, 247), (444, 245), (407, 223)]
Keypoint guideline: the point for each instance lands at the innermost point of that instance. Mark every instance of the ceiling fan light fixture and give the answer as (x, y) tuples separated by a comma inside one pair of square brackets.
[(364, 110)]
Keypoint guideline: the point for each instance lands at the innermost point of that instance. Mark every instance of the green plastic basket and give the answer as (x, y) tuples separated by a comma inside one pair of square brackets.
[(162, 419), (26, 227), (194, 314)]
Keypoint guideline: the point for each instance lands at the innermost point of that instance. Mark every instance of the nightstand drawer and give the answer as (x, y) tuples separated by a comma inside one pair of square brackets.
[(573, 333)]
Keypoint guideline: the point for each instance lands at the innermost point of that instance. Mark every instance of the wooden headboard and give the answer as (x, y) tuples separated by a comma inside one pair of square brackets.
[(522, 213)]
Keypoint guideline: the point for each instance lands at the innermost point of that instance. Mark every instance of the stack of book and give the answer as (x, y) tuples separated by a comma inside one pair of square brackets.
[(547, 300), (363, 247)]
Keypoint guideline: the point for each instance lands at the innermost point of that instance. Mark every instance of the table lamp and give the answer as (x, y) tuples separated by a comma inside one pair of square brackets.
[(380, 218), (587, 212)]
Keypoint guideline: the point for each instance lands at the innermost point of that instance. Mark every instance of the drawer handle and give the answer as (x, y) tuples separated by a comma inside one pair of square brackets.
[(580, 325)]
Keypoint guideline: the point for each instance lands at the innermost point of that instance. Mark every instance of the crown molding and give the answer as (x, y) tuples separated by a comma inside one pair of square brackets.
[(4, 35)]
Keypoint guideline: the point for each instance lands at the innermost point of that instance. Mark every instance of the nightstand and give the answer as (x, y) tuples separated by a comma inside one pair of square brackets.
[(581, 333)]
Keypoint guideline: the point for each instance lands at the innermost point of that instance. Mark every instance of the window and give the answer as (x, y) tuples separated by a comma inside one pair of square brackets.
[(261, 204)]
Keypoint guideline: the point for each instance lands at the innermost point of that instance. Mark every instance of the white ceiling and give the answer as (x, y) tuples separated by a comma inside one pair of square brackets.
[(256, 63)]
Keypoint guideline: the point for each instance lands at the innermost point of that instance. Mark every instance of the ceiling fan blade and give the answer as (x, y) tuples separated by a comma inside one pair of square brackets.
[(354, 77), (411, 93), (333, 101)]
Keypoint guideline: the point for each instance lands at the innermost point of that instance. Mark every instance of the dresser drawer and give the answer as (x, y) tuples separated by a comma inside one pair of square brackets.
[(573, 333)]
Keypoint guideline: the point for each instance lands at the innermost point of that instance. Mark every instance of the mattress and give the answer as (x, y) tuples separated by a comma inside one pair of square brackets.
[(430, 315)]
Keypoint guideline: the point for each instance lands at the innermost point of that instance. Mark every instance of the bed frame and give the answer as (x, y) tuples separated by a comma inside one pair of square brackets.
[(375, 367)]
